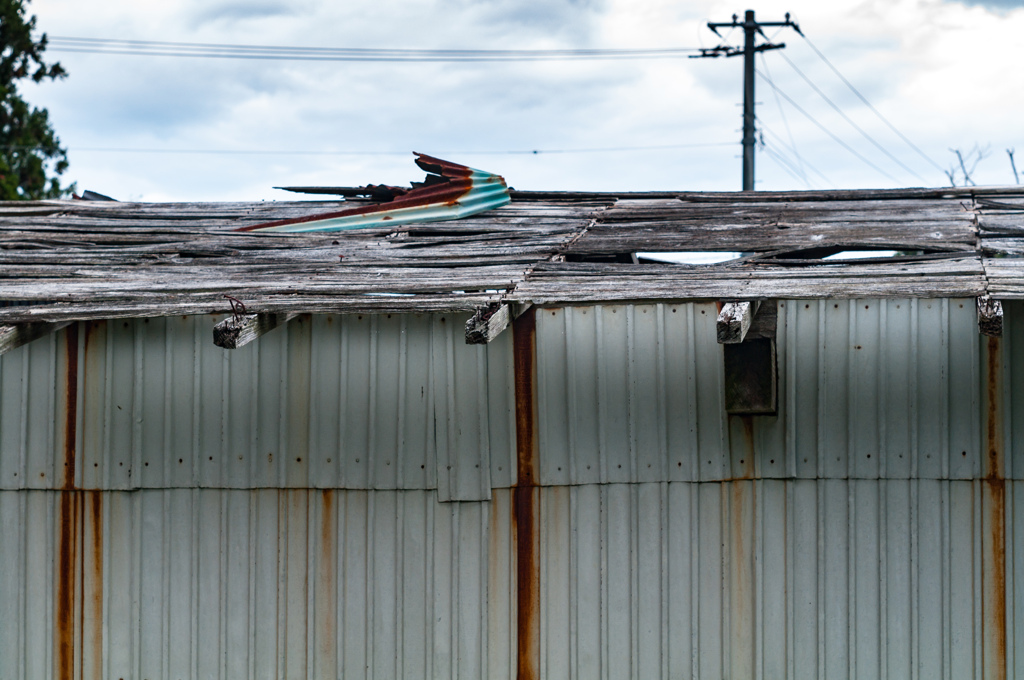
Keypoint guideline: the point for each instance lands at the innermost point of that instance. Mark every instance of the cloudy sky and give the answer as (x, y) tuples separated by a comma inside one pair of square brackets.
[(946, 74)]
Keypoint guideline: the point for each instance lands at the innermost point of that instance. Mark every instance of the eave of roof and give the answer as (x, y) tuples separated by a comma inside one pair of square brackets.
[(65, 260)]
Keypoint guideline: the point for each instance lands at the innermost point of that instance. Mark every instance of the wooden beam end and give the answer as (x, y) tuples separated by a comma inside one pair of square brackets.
[(488, 323), (238, 331), (734, 321)]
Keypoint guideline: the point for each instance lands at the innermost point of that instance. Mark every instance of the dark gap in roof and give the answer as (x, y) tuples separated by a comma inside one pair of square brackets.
[(603, 258)]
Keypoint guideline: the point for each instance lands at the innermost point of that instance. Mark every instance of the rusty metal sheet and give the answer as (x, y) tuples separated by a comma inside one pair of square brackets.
[(450, 191)]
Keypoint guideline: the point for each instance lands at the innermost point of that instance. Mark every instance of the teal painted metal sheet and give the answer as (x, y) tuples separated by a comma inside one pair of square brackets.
[(451, 191)]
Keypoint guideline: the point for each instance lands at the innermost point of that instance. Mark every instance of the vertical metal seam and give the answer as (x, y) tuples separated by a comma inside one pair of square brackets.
[(51, 415), (403, 364), (691, 396), (135, 461), (371, 475), (821, 421), (601, 381), (913, 415), (883, 486), (945, 347), (399, 552), (790, 576), (629, 312), (882, 454), (371, 602), (693, 530), (946, 578), (851, 569), (820, 563)]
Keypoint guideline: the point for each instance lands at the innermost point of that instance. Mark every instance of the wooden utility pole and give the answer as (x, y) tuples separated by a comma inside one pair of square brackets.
[(750, 27)]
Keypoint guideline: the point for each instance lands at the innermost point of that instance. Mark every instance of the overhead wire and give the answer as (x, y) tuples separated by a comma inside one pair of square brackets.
[(231, 51), (777, 144), (870, 106), (785, 120), (785, 164), (504, 152), (828, 132), (850, 120)]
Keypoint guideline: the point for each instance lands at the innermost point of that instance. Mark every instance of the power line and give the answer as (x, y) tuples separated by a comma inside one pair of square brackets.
[(785, 164), (785, 120), (850, 120), (870, 106), (782, 143), (226, 51), (827, 131), (283, 152)]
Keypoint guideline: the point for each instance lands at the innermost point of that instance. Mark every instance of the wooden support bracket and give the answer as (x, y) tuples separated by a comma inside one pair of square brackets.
[(236, 331), (488, 322), (16, 335), (734, 321), (990, 316)]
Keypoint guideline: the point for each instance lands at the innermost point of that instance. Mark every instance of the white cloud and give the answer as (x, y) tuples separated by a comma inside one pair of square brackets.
[(938, 70)]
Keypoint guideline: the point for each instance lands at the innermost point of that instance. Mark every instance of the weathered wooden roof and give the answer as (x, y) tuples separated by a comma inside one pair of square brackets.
[(64, 260)]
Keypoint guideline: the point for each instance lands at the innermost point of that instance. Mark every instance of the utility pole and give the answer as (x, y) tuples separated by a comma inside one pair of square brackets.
[(750, 28)]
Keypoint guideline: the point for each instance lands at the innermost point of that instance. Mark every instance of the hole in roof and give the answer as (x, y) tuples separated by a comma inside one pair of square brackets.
[(691, 257), (860, 254)]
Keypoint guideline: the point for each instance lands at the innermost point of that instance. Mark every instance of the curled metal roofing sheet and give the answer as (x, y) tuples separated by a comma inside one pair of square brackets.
[(449, 192)]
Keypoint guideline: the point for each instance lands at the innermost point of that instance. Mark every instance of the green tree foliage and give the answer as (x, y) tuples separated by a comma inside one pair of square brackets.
[(31, 158)]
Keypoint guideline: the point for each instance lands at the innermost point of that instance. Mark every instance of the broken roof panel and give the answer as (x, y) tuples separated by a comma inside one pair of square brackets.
[(65, 260)]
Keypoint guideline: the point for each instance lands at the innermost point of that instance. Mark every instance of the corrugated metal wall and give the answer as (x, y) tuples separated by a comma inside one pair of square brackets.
[(775, 579), (865, 532), (327, 402), (868, 389), (205, 583)]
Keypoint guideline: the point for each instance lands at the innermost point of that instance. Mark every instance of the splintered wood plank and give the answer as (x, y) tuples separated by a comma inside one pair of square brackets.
[(13, 336)]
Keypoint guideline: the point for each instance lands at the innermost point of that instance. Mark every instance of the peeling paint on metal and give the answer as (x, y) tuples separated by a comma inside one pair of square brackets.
[(451, 192)]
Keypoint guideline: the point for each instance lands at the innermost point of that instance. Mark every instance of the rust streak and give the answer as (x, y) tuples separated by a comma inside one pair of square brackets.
[(524, 499), (743, 454), (994, 416), (994, 520), (326, 590), (68, 561), (524, 337), (95, 619), (70, 404), (67, 572)]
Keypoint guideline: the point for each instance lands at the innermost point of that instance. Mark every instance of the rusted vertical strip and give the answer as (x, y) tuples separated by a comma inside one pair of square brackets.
[(525, 499), (92, 607), (68, 561), (994, 520), (70, 404)]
